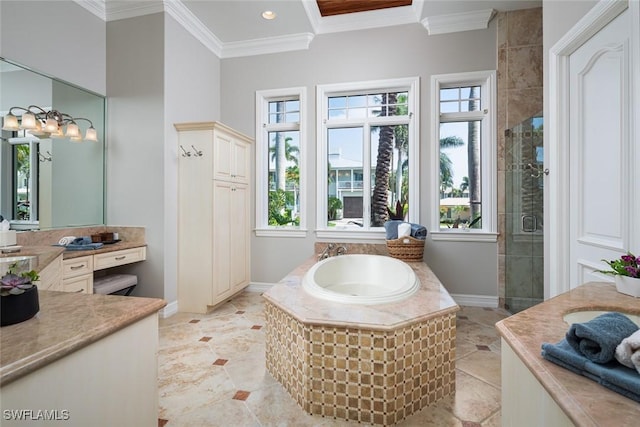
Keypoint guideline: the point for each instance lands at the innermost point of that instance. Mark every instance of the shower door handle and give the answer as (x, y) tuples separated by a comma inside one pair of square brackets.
[(529, 223)]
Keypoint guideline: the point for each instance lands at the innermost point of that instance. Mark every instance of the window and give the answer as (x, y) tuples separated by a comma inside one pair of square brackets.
[(464, 156), (279, 166), (367, 156)]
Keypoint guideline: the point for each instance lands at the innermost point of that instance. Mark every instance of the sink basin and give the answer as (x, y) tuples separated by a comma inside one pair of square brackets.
[(585, 316)]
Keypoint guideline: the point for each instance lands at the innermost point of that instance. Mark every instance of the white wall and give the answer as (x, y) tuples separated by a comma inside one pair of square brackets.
[(135, 149), (191, 94), (58, 38), (401, 51)]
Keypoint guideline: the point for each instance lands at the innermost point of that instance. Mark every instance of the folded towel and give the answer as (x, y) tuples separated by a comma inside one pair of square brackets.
[(391, 228), (64, 241), (81, 241), (564, 355), (611, 375), (418, 231), (628, 352), (404, 230), (598, 338), (83, 247)]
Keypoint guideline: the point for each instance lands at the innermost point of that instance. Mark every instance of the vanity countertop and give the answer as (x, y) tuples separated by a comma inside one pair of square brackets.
[(66, 322), (46, 254), (584, 401)]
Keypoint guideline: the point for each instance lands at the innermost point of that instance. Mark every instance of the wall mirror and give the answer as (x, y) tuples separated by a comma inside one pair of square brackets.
[(48, 182)]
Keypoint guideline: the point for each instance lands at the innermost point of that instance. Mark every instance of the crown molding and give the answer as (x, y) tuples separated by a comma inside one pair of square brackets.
[(455, 22), (132, 9), (97, 7), (194, 26), (267, 45)]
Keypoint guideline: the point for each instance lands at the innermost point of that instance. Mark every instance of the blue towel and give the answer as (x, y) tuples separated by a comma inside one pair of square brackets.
[(612, 375), (391, 228), (83, 247), (81, 241), (598, 338), (418, 231)]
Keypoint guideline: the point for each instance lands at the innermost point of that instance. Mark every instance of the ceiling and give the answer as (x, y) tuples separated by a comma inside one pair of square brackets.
[(236, 27)]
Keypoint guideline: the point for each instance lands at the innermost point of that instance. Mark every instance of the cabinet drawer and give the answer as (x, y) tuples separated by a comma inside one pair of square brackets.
[(113, 259), (77, 266), (81, 284)]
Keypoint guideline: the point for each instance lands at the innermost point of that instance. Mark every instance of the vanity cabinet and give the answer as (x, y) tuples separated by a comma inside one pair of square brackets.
[(213, 214), (77, 274), (51, 276)]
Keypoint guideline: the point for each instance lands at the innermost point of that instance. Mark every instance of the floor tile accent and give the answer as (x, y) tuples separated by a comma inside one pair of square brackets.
[(236, 389)]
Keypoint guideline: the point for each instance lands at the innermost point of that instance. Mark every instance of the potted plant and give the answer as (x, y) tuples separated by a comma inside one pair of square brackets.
[(18, 296), (626, 271)]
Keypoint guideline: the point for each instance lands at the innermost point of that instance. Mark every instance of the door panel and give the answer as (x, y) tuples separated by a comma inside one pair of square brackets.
[(599, 151)]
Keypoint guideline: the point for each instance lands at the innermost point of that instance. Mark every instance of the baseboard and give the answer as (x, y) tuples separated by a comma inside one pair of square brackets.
[(259, 287), (169, 310), (475, 300)]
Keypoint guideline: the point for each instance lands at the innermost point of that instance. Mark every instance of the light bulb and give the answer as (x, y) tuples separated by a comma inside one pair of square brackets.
[(28, 121), (57, 134), (38, 130), (72, 131), (91, 135), (10, 123), (51, 126)]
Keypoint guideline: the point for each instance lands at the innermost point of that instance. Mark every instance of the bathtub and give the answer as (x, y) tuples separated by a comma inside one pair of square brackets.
[(361, 279)]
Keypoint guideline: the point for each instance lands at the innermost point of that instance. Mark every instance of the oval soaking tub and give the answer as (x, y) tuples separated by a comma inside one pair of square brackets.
[(361, 279)]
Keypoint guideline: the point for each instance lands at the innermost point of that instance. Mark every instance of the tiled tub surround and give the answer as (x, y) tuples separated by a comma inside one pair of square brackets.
[(578, 400), (370, 363)]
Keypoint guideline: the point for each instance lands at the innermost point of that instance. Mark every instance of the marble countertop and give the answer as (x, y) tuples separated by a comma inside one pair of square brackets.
[(431, 300), (66, 323), (46, 254), (584, 401)]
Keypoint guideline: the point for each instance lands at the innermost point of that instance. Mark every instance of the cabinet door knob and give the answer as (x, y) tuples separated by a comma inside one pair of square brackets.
[(75, 267), (120, 258)]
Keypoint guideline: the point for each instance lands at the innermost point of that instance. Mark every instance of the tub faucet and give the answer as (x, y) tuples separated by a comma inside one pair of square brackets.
[(326, 253), (332, 250)]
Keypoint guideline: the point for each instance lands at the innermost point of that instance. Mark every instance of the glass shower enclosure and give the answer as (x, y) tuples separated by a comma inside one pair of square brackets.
[(524, 263)]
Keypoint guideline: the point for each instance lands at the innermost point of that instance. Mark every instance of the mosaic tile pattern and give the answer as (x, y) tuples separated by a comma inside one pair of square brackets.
[(375, 377)]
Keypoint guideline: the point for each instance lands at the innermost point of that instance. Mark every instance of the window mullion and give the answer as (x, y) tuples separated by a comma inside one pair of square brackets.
[(366, 176)]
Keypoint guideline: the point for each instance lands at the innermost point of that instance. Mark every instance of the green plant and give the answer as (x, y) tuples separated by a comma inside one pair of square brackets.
[(332, 207), (15, 284), (626, 265)]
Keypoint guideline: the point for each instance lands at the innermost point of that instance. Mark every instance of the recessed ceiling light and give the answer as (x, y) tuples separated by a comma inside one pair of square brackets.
[(269, 14)]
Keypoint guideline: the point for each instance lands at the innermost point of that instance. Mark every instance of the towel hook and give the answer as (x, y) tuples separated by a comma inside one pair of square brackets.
[(197, 152), (185, 153)]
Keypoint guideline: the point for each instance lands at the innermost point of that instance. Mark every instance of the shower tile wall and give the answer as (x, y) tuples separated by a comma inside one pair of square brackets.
[(520, 91)]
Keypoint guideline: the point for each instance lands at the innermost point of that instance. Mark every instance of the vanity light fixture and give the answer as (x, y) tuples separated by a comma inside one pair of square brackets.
[(269, 15), (48, 124)]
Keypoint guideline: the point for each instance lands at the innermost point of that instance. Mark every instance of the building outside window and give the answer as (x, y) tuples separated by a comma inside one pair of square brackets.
[(367, 155)]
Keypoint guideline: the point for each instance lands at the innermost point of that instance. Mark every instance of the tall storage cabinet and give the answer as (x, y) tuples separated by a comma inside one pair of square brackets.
[(213, 214)]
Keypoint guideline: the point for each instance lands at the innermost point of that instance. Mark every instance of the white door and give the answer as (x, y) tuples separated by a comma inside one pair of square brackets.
[(598, 216)]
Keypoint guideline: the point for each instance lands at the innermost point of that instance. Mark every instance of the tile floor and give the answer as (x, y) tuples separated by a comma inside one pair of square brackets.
[(212, 373)]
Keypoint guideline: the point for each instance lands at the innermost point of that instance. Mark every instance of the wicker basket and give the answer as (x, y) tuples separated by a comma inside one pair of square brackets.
[(407, 248)]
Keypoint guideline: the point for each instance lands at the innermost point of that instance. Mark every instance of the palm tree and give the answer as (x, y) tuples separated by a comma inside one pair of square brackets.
[(446, 166), (281, 152), (464, 185), (379, 202)]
